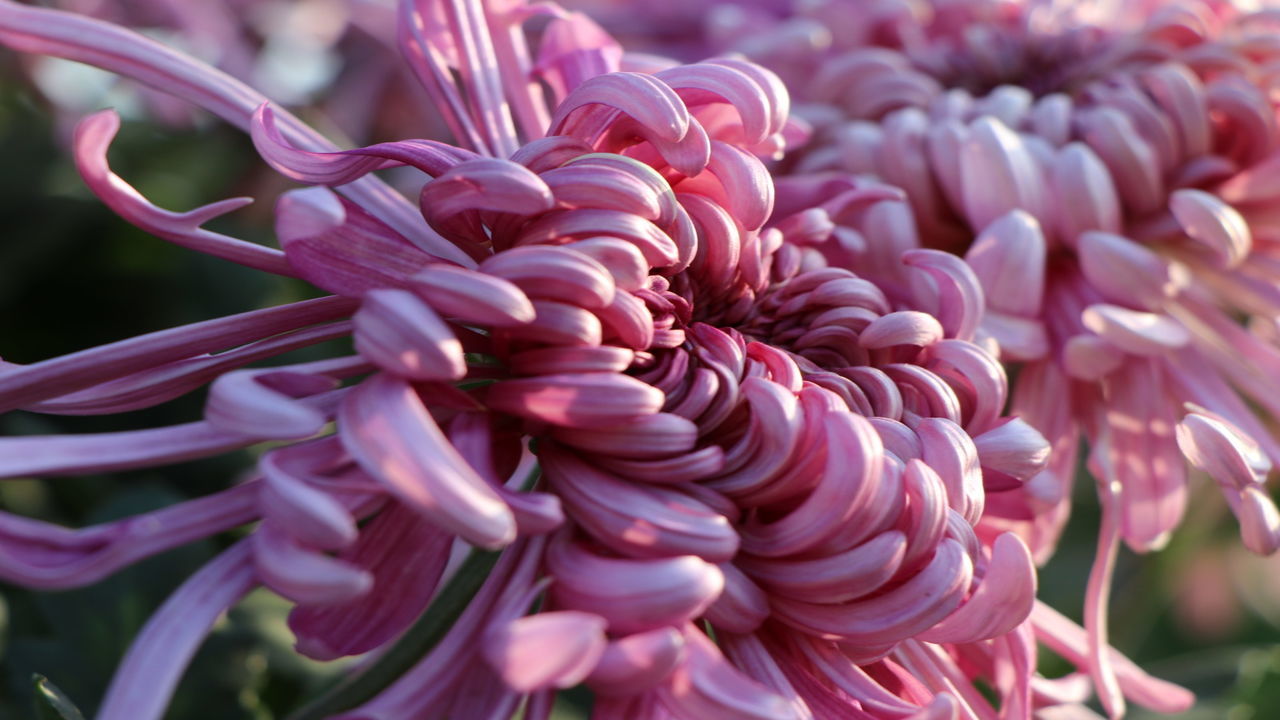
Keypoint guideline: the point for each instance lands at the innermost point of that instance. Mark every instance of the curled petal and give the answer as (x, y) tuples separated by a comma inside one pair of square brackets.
[(1212, 223), (549, 649), (340, 168), (959, 295), (336, 246), (1136, 332), (472, 296), (632, 595), (576, 400), (405, 556), (653, 104), (841, 577), (385, 427), (908, 609), (304, 511), (1003, 600), (401, 334), (485, 184), (998, 173), (552, 273), (705, 685), (1220, 449), (951, 453), (742, 607), (1088, 197), (905, 327), (262, 404), (1126, 271), (648, 436), (92, 138), (638, 520), (302, 575), (1013, 448), (1008, 258), (635, 663)]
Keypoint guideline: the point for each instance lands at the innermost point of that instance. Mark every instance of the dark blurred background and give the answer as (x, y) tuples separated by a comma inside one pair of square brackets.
[(72, 275)]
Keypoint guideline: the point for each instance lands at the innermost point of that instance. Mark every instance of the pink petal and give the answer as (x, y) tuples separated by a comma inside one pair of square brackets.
[(1003, 600), (1212, 223), (575, 400), (92, 138), (1136, 332), (633, 595), (1008, 258), (405, 557), (635, 663), (549, 649), (1125, 271), (385, 427), (472, 296)]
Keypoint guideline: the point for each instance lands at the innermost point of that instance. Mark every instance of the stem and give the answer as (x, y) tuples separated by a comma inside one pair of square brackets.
[(419, 640)]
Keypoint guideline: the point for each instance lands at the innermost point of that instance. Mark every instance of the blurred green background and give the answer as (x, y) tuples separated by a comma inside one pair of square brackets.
[(72, 275)]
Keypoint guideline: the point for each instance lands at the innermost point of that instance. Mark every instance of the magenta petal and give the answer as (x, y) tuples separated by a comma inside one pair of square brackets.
[(705, 685), (150, 671), (401, 334), (554, 273), (635, 663), (638, 520), (262, 404), (303, 575), (92, 138), (306, 512), (633, 595), (405, 556), (1008, 258), (576, 400), (549, 649), (336, 246), (1013, 448), (340, 168), (385, 427), (1140, 333), (472, 296), (1220, 449), (1125, 271)]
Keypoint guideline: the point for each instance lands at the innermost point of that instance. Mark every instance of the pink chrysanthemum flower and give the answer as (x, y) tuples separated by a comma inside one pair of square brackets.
[(1109, 174), (595, 294)]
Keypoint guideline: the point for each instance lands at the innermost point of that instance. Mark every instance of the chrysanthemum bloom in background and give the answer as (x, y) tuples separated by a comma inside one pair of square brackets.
[(1110, 176), (730, 436)]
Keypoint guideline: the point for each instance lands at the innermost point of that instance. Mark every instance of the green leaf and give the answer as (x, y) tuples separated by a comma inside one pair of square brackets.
[(420, 639), (51, 703)]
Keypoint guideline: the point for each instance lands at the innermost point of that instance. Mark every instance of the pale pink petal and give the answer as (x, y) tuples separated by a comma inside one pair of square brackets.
[(1213, 224), (1008, 258), (1133, 331), (1003, 600)]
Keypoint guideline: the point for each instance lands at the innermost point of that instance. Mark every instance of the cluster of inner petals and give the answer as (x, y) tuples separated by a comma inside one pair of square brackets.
[(732, 436)]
